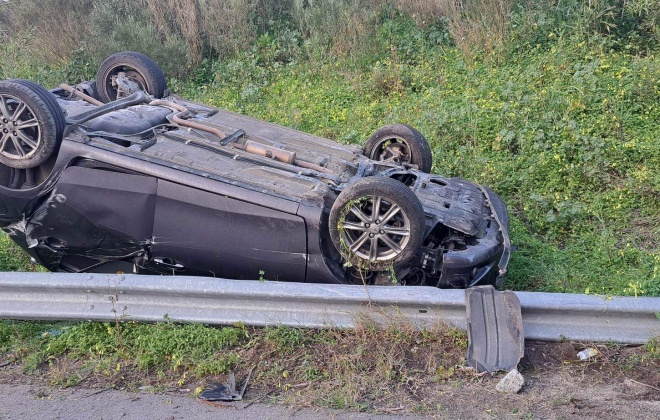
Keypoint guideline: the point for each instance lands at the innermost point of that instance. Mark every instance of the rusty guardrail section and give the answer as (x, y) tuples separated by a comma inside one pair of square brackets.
[(104, 297)]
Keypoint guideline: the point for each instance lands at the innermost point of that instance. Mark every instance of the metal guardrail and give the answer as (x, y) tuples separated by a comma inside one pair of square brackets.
[(103, 297)]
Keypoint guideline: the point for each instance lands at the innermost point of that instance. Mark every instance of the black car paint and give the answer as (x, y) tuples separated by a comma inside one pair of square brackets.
[(108, 207)]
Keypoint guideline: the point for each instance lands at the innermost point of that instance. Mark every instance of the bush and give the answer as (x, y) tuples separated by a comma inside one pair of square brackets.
[(54, 38), (630, 26), (13, 51), (230, 25), (338, 27), (474, 25), (84, 34)]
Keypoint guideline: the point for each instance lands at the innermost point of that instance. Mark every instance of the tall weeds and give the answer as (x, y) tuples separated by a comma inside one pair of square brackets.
[(187, 31), (474, 25), (230, 25), (189, 21), (338, 27), (57, 26)]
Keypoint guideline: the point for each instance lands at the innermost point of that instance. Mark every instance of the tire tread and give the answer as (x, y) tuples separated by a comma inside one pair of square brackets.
[(419, 146), (47, 112), (152, 73)]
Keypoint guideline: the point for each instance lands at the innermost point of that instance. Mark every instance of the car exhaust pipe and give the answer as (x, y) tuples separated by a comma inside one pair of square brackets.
[(249, 146), (270, 152), (81, 94)]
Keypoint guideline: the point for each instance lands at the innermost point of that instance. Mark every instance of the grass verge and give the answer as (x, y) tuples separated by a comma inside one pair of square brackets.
[(398, 367), (357, 369)]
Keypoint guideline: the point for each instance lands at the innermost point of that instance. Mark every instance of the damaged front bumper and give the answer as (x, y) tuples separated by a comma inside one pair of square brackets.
[(485, 262)]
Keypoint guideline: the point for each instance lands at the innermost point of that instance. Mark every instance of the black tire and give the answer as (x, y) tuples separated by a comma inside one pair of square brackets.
[(400, 143), (31, 124), (367, 237), (138, 67), (49, 99)]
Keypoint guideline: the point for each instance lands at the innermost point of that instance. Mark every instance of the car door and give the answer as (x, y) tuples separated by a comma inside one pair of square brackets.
[(198, 232), (93, 217)]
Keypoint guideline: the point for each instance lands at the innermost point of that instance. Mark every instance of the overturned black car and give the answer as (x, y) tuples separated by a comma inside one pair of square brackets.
[(119, 175)]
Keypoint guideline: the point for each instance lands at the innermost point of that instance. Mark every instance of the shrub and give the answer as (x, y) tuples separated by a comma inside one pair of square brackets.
[(474, 25), (625, 25), (118, 26), (12, 54), (54, 38), (230, 25), (338, 27)]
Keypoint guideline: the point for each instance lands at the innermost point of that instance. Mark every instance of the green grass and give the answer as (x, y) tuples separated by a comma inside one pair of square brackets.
[(166, 355), (562, 121), (653, 347), (566, 132), (164, 349), (12, 257), (369, 367)]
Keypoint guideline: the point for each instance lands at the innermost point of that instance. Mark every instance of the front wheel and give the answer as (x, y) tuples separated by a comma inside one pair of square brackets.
[(399, 144), (376, 223)]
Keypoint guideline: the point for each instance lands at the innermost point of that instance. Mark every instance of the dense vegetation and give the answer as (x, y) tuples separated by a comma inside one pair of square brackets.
[(555, 104)]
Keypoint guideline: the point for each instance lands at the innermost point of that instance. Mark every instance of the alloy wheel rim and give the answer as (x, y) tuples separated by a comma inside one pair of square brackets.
[(20, 134), (375, 229)]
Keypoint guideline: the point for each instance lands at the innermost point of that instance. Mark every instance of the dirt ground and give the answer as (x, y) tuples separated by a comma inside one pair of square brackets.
[(619, 383), (559, 387)]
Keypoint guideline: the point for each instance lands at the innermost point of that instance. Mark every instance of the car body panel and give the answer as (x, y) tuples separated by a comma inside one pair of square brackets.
[(131, 190), (225, 237)]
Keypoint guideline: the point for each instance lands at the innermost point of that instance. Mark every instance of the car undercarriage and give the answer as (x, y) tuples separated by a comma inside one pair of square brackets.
[(119, 175)]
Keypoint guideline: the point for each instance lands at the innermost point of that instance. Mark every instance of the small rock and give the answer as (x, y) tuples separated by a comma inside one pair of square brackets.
[(511, 383)]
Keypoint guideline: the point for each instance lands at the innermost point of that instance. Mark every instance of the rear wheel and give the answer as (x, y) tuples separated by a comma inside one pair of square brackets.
[(127, 72), (31, 124), (377, 223)]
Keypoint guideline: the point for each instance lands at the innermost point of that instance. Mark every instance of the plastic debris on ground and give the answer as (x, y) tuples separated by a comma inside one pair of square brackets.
[(222, 392), (587, 353)]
